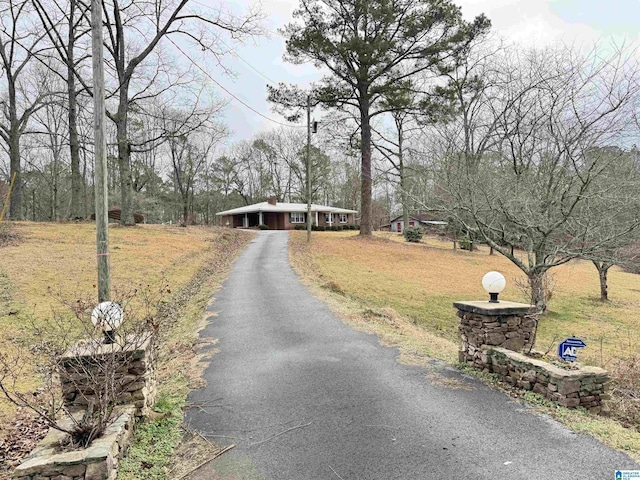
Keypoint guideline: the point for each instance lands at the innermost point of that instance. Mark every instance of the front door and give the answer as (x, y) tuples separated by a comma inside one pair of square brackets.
[(399, 227)]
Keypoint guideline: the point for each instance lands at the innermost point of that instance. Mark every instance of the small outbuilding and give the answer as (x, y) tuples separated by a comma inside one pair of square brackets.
[(285, 216), (426, 221)]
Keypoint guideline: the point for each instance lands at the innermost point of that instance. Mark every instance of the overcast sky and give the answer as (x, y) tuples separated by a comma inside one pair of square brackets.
[(530, 22)]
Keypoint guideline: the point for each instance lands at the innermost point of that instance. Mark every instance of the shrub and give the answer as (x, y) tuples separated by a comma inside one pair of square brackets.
[(300, 227), (334, 228), (93, 378), (262, 226), (352, 227), (465, 244), (625, 390), (321, 228), (413, 234)]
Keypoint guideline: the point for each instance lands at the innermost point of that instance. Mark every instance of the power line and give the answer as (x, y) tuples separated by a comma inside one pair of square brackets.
[(228, 92), (217, 11), (235, 52), (237, 55)]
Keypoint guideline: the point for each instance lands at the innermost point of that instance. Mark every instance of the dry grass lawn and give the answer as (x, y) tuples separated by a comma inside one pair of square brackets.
[(61, 257), (421, 281)]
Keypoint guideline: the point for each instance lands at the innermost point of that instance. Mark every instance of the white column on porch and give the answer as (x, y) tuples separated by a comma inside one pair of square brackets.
[(245, 222), (260, 221), (316, 218), (330, 219)]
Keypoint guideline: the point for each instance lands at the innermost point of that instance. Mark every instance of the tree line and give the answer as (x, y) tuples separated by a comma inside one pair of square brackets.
[(156, 103), (530, 150)]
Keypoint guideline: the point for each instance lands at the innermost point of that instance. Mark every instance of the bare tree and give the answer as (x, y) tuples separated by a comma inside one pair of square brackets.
[(65, 25), (611, 226), (48, 146), (190, 147), (528, 150), (134, 32), (402, 105), (20, 42)]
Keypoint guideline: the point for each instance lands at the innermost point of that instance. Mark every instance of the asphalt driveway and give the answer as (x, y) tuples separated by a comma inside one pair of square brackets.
[(305, 397)]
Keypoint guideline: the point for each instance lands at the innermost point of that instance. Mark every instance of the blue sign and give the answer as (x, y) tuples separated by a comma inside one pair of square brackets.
[(567, 349), (627, 474)]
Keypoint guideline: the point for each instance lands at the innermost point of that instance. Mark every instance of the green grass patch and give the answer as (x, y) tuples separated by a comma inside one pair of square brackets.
[(150, 454)]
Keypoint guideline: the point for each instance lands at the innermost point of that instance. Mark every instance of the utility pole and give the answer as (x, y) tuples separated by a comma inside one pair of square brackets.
[(308, 168), (102, 219)]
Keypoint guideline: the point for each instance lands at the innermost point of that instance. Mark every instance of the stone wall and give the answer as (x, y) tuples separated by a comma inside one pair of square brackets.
[(129, 370), (506, 324), (98, 462), (494, 334), (133, 377), (583, 387)]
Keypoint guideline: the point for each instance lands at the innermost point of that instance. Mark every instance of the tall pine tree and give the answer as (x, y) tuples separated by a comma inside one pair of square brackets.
[(363, 43)]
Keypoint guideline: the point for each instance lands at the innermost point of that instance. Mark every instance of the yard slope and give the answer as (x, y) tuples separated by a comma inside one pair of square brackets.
[(53, 262), (404, 293)]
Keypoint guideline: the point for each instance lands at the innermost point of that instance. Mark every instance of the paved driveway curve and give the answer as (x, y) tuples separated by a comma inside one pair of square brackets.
[(305, 397)]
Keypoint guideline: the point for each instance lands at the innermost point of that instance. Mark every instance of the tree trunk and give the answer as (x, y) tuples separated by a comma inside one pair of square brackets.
[(603, 271), (365, 149), (538, 293), (403, 191), (15, 205), (604, 288), (74, 144), (185, 212), (85, 197), (124, 161), (54, 200)]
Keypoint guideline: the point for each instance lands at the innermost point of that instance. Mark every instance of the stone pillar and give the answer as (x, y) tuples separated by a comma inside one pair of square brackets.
[(508, 325), (129, 369)]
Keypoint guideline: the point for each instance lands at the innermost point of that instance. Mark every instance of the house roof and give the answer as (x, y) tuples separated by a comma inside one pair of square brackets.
[(283, 208)]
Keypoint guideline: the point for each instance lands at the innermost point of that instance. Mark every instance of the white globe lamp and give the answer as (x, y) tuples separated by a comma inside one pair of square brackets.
[(108, 317), (493, 283)]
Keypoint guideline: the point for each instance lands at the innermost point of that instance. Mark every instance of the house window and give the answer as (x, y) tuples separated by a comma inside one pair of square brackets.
[(412, 224), (296, 217), (328, 218), (344, 218), (400, 227)]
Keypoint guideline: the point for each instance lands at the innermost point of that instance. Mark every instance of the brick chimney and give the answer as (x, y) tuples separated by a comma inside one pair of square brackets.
[(271, 200)]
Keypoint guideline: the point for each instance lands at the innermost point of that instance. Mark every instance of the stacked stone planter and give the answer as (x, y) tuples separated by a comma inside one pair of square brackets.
[(134, 367), (134, 376), (506, 324), (494, 335)]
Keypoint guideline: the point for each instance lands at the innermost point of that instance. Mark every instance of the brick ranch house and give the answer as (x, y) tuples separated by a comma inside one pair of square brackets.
[(285, 216)]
